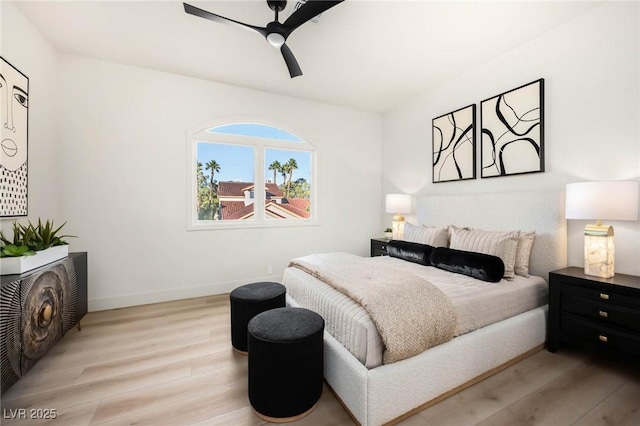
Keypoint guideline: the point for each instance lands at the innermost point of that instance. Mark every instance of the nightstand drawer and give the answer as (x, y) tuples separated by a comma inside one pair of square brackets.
[(601, 295), (601, 311), (379, 247), (595, 335)]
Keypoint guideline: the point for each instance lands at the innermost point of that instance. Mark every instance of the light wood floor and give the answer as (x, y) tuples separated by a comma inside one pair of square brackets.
[(172, 364)]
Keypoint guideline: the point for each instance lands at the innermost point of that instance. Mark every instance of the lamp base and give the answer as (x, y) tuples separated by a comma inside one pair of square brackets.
[(397, 227), (599, 251)]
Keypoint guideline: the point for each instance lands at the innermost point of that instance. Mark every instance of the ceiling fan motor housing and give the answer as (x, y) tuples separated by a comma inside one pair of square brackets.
[(277, 5)]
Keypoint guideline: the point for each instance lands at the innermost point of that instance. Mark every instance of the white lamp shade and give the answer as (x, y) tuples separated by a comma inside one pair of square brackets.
[(617, 200), (398, 203)]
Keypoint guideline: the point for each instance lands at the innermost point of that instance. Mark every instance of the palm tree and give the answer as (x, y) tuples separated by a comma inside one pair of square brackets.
[(276, 167), (214, 167), (283, 172), (201, 179), (202, 184), (291, 166)]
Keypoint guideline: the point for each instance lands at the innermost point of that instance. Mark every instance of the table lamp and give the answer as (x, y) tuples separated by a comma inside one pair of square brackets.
[(617, 200), (398, 204)]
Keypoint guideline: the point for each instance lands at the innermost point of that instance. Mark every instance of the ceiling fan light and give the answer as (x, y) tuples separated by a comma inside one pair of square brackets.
[(275, 39)]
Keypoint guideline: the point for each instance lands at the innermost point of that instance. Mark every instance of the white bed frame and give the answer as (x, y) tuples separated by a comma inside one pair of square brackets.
[(389, 393)]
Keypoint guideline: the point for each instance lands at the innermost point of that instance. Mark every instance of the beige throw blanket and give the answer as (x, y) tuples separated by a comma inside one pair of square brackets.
[(411, 314)]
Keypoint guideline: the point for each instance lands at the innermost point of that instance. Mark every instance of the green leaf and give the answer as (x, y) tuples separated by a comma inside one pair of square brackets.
[(34, 237), (12, 250), (4, 239)]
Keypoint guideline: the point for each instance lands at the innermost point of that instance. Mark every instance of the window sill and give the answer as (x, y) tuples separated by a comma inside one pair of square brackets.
[(219, 225)]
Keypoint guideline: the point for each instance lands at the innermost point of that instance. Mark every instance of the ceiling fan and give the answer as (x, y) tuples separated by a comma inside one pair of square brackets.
[(275, 32)]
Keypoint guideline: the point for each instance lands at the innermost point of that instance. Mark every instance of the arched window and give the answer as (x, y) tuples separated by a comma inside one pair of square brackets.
[(231, 164)]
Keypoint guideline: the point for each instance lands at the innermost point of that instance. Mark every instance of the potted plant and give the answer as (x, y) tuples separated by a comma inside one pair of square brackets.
[(388, 233), (31, 247)]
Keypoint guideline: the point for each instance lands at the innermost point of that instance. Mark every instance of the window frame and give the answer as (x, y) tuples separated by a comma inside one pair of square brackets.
[(260, 144)]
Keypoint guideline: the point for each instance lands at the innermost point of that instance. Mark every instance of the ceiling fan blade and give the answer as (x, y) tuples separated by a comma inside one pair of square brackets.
[(290, 60), (192, 10), (309, 10)]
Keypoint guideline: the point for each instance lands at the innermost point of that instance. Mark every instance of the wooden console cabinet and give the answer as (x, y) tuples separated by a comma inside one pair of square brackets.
[(37, 308)]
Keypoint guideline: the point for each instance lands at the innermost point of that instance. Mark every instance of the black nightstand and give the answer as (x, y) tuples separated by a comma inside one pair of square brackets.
[(379, 246), (597, 312)]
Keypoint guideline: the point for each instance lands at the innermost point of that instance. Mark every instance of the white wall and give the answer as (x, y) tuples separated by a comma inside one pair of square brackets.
[(123, 139), (108, 149), (592, 117), (23, 46)]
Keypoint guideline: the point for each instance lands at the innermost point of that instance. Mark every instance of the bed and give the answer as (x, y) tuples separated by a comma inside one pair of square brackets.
[(377, 394)]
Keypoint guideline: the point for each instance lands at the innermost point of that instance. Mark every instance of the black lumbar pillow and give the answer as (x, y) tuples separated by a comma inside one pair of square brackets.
[(481, 266), (410, 251)]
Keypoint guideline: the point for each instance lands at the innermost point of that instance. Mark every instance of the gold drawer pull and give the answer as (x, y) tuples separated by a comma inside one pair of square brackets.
[(604, 296), (603, 338), (603, 314)]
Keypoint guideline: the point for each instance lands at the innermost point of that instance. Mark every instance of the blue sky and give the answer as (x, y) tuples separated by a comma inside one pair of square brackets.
[(253, 129), (236, 162)]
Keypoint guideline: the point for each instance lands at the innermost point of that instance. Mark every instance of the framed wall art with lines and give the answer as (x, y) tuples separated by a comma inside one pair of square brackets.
[(512, 131), (454, 147)]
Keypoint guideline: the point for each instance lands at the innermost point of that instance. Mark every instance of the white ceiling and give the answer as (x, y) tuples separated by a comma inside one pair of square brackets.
[(370, 55)]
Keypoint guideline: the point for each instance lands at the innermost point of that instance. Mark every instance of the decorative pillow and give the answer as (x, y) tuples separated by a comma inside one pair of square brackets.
[(412, 252), (501, 244), (480, 266), (431, 235), (523, 253), (523, 250)]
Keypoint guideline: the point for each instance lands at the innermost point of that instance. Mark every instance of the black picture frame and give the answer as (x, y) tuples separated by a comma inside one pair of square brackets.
[(14, 138), (512, 132), (454, 145)]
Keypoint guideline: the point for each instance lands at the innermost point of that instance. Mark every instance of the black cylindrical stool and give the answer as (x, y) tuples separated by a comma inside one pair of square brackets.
[(285, 363), (249, 300)]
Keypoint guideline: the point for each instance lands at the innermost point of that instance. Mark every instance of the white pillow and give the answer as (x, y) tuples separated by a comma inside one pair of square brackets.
[(523, 253), (501, 244), (434, 236)]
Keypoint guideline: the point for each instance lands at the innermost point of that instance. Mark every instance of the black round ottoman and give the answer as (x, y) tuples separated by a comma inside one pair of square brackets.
[(249, 300), (285, 363)]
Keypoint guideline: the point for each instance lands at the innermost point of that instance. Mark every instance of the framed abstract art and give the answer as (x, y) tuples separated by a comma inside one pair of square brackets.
[(14, 116), (454, 147), (512, 131)]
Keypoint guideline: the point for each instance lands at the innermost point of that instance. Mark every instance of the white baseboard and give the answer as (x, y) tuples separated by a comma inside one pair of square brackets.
[(136, 299)]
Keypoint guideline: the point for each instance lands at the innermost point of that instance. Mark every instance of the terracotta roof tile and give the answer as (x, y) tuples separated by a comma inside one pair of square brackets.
[(295, 210), (273, 189), (229, 209), (232, 189), (235, 210), (301, 203), (236, 189)]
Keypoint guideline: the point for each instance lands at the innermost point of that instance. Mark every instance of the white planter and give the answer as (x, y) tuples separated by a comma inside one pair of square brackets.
[(22, 264)]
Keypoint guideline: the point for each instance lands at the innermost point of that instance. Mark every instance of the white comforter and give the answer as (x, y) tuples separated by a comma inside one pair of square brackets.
[(477, 304), (410, 313)]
